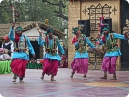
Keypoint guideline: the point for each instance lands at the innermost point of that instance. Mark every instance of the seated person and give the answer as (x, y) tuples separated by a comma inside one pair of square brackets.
[(33, 64), (8, 48), (39, 64)]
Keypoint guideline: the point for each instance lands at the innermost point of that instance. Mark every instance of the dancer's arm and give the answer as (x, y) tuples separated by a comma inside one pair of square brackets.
[(41, 41), (60, 47), (30, 47)]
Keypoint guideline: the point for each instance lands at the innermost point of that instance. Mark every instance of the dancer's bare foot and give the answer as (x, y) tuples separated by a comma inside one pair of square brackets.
[(14, 80), (53, 80), (21, 81), (104, 77), (42, 77), (84, 76), (114, 77), (72, 73), (71, 76)]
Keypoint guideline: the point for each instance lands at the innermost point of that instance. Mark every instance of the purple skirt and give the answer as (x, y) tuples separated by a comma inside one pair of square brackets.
[(50, 67), (109, 64), (80, 65)]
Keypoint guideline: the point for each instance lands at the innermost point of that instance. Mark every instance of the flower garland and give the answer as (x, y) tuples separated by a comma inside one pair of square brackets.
[(111, 44), (51, 49), (81, 48)]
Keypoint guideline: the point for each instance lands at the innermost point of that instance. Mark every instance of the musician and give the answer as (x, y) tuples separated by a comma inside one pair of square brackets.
[(112, 51), (20, 57), (51, 57), (80, 62), (7, 49)]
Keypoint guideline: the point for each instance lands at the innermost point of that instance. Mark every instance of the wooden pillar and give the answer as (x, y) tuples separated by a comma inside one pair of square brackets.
[(74, 16)]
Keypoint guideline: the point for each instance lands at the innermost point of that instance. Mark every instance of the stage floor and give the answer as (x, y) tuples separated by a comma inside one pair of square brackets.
[(93, 86)]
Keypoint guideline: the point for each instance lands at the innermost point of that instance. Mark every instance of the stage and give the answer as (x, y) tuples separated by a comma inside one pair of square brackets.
[(93, 86)]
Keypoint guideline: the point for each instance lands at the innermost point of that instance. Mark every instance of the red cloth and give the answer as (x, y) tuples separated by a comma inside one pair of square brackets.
[(50, 67), (18, 67), (74, 40), (42, 62), (17, 38), (6, 38), (103, 39)]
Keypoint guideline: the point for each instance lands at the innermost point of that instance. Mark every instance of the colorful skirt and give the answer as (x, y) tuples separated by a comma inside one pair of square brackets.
[(50, 67), (5, 67), (80, 65), (18, 67)]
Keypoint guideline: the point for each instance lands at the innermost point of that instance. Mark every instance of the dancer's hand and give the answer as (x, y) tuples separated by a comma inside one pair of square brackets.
[(125, 34), (95, 49), (13, 25), (34, 55), (63, 55)]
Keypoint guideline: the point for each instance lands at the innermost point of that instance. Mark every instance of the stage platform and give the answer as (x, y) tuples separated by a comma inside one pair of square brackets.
[(93, 86)]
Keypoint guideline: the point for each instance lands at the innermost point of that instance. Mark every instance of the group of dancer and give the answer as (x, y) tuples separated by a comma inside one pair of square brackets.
[(22, 44), (50, 42), (80, 62)]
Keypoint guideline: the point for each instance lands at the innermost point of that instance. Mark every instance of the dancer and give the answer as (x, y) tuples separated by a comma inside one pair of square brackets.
[(80, 62), (112, 51), (20, 57), (51, 57)]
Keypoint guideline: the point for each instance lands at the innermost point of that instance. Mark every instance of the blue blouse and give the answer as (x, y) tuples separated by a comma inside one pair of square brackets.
[(116, 52), (47, 55), (85, 54), (21, 55)]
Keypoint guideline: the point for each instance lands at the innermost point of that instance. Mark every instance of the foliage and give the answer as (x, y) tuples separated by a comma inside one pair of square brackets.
[(34, 10)]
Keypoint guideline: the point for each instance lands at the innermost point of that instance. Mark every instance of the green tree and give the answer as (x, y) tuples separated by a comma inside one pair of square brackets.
[(34, 10)]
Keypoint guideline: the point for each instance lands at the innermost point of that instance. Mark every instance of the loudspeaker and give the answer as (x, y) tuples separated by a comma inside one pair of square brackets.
[(106, 23), (86, 28)]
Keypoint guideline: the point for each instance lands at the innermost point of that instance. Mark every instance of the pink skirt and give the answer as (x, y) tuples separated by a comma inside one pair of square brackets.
[(18, 67), (109, 64), (50, 67), (80, 65)]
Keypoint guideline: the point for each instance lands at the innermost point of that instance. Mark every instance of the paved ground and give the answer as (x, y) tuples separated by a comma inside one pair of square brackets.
[(93, 86)]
